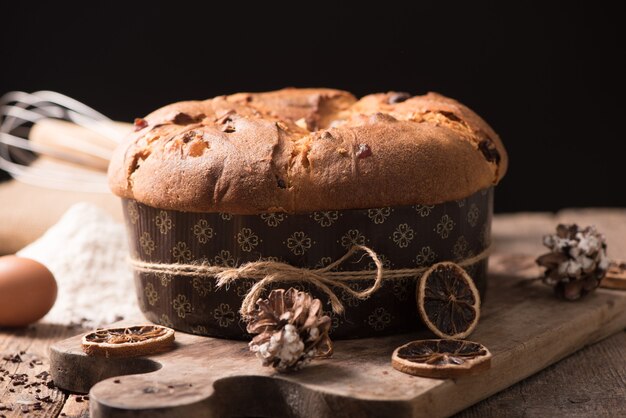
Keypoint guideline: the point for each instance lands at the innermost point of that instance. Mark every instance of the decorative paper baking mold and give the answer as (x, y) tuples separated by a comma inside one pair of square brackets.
[(404, 237)]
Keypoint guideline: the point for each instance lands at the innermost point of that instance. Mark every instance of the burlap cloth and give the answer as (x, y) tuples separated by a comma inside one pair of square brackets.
[(26, 211)]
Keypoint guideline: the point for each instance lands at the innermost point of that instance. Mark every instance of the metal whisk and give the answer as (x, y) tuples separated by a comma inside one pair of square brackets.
[(51, 140)]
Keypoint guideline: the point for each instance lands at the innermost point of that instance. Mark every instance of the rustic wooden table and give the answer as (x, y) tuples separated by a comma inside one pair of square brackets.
[(589, 383)]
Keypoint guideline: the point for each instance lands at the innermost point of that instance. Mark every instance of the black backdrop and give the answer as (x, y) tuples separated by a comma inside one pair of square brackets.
[(549, 79)]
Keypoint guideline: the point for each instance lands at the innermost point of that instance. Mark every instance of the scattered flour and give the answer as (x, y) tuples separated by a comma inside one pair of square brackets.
[(87, 252)]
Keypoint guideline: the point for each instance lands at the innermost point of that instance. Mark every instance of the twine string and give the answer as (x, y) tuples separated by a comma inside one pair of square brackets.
[(268, 272)]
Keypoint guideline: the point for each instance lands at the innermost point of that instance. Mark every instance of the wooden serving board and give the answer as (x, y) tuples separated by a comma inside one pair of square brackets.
[(523, 325)]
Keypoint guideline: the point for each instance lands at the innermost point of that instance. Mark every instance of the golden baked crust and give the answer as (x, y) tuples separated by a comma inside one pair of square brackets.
[(302, 150)]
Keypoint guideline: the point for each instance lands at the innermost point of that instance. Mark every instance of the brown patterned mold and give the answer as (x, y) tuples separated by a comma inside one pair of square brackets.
[(403, 236)]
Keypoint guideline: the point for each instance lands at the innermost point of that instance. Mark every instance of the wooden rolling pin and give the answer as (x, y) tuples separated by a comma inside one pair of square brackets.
[(73, 144)]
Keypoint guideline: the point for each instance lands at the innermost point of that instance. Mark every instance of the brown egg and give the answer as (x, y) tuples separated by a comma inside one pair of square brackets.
[(27, 291)]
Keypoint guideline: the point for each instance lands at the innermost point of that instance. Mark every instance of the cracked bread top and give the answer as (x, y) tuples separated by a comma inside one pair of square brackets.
[(303, 150)]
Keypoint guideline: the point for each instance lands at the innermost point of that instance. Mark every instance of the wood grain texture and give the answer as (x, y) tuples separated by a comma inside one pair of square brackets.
[(590, 383), (76, 406), (525, 328), (33, 398)]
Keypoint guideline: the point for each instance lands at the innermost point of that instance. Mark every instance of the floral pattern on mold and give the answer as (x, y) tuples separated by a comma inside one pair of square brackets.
[(424, 210), (425, 257), (403, 235), (379, 319), (163, 222), (147, 244), (351, 238), (445, 226), (247, 239), (224, 315), (379, 215), (181, 305), (299, 243), (325, 218), (151, 294), (181, 253), (202, 231), (273, 219), (133, 212), (203, 285), (224, 259), (472, 215)]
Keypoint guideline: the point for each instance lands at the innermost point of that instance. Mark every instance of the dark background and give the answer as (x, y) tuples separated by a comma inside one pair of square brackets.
[(549, 79)]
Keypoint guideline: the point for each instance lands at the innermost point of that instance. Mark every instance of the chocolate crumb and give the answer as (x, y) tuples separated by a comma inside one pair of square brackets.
[(364, 151), (488, 148), (46, 399), (398, 97), (14, 358), (19, 379), (140, 124), (43, 375), (117, 381)]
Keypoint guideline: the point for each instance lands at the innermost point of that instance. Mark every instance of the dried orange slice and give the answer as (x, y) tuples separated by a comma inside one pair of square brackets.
[(448, 301), (441, 358), (138, 340)]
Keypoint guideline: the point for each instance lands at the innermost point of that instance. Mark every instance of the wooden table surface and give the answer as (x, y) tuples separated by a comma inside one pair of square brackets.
[(589, 383)]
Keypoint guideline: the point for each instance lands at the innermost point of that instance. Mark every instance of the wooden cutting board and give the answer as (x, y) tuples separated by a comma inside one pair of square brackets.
[(522, 324)]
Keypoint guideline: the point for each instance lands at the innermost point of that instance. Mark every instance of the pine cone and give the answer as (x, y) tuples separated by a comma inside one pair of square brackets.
[(577, 261), (292, 330)]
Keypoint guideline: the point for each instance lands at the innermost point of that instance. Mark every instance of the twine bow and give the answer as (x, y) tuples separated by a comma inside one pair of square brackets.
[(267, 272)]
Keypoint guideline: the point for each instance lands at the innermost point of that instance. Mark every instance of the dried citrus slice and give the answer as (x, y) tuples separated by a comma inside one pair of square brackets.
[(448, 301), (138, 340), (441, 358)]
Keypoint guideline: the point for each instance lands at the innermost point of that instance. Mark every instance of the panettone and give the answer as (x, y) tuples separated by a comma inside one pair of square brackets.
[(300, 177)]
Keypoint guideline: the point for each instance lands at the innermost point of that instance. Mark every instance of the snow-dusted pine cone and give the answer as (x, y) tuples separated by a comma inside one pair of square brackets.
[(291, 329), (577, 260)]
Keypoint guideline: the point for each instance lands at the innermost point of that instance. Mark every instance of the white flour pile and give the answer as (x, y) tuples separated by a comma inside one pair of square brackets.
[(87, 253)]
